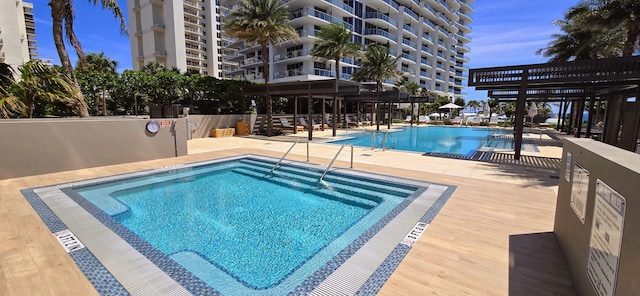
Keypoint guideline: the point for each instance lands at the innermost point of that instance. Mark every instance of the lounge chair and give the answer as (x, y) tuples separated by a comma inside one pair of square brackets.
[(476, 120), (364, 122), (493, 121), (288, 126), (457, 120), (313, 122), (408, 119), (304, 123)]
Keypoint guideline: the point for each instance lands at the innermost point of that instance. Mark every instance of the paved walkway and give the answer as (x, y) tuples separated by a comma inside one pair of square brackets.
[(493, 237)]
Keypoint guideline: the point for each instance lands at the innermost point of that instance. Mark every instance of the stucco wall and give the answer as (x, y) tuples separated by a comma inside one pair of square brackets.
[(619, 169), (202, 124), (32, 146)]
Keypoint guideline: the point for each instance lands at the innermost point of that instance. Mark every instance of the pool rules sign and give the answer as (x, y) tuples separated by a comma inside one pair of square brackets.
[(606, 238)]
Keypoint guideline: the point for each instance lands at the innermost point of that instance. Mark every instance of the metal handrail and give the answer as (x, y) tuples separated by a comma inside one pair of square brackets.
[(334, 159), (283, 156), (384, 141)]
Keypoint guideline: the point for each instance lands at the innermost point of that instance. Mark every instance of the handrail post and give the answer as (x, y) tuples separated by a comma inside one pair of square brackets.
[(335, 157), (283, 156), (351, 157)]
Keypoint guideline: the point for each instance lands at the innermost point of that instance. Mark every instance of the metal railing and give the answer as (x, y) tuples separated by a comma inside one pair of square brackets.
[(334, 159), (287, 153), (283, 156), (383, 143)]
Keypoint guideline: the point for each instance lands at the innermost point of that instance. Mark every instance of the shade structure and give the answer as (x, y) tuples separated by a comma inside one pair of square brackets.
[(450, 106)]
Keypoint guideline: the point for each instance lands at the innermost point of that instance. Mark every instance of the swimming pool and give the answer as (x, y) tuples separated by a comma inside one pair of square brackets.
[(435, 139), (231, 227)]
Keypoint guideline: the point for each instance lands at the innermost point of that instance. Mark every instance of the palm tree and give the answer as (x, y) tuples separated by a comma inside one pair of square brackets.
[(377, 65), (41, 82), (334, 42), (104, 68), (264, 22), (9, 104), (581, 39), (619, 17), (473, 104), (62, 14)]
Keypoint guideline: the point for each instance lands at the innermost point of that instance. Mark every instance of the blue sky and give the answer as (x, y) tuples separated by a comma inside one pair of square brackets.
[(505, 32)]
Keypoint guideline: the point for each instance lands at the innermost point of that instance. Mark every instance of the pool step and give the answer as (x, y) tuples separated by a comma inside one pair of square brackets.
[(400, 190), (356, 200), (361, 187)]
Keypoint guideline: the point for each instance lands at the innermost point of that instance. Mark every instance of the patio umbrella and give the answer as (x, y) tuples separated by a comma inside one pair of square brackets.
[(533, 111), (485, 110), (450, 106)]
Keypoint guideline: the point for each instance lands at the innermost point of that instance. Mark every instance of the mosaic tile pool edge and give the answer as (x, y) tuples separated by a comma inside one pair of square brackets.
[(101, 279), (197, 286)]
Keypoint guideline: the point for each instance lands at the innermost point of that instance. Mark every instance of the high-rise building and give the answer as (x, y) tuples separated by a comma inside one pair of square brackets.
[(17, 33), (177, 33), (430, 37)]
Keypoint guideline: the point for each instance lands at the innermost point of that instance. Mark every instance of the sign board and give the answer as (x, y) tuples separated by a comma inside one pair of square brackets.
[(416, 232), (579, 189), (567, 169), (606, 238)]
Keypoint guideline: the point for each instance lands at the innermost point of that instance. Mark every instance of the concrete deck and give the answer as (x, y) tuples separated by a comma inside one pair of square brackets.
[(493, 237)]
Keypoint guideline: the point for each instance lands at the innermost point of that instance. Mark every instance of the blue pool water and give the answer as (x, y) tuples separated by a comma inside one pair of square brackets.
[(241, 229), (435, 139)]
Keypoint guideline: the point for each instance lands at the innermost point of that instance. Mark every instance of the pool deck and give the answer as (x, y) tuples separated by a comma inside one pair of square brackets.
[(493, 237)]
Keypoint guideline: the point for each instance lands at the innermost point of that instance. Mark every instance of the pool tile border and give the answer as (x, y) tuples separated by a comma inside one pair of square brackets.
[(107, 284)]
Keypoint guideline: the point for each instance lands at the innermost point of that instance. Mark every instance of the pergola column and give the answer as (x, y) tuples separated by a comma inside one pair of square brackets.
[(295, 115), (560, 116), (520, 112), (310, 114), (592, 103)]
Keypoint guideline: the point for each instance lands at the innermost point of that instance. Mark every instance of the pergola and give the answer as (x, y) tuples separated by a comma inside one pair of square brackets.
[(612, 80), (347, 91)]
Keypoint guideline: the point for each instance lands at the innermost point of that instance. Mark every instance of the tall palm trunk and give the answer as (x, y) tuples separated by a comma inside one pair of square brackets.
[(57, 12), (632, 40)]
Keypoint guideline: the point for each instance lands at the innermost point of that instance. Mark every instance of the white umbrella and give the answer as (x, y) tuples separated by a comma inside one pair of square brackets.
[(450, 106), (533, 111), (485, 110)]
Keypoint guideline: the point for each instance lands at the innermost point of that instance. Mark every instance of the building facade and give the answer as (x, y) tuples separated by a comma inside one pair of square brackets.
[(17, 33), (430, 38), (182, 34)]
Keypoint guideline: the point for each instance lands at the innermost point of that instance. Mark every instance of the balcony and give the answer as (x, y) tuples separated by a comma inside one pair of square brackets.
[(305, 71), (307, 32), (320, 15), (425, 61), (409, 43), (425, 74), (291, 54), (160, 53), (410, 12), (408, 57), (406, 70), (341, 5), (158, 27), (411, 30), (376, 15), (251, 61), (379, 32), (190, 3), (254, 76), (426, 37)]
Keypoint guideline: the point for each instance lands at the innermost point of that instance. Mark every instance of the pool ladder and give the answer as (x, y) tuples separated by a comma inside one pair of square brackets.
[(383, 143), (287, 153), (334, 159)]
